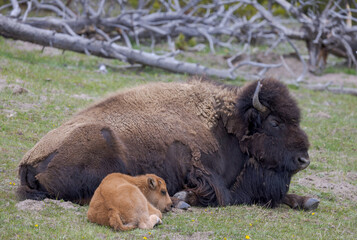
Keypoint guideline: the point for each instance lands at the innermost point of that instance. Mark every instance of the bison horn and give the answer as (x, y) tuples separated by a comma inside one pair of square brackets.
[(256, 103)]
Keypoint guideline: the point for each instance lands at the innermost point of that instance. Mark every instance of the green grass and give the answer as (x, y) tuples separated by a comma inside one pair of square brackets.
[(338, 69), (52, 81)]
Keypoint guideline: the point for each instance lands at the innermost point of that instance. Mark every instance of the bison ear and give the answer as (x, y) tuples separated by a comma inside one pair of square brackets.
[(253, 120), (151, 183)]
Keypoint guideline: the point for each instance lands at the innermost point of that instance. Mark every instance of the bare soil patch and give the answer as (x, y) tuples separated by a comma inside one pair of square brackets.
[(338, 183), (33, 205)]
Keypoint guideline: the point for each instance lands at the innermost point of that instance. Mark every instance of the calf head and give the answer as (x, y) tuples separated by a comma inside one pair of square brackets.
[(157, 193), (271, 137)]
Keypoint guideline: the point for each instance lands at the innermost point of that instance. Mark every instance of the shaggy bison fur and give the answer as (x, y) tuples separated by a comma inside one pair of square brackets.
[(213, 144)]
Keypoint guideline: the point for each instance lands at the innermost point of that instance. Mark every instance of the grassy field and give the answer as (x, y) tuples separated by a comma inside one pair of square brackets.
[(59, 84)]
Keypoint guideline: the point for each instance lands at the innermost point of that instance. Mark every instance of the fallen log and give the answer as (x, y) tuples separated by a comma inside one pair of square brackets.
[(10, 28)]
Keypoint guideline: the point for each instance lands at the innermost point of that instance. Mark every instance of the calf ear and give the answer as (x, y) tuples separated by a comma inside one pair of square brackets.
[(151, 183)]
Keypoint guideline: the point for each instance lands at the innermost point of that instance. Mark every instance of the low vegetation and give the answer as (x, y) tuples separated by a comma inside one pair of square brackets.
[(40, 90)]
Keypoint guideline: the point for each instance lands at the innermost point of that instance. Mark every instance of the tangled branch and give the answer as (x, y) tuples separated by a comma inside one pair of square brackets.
[(109, 24)]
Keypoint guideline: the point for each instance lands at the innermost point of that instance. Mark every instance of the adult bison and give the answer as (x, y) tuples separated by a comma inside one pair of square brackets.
[(214, 144)]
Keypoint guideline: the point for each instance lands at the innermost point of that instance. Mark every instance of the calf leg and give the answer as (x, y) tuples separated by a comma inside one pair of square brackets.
[(150, 218), (154, 211), (148, 222), (300, 202), (116, 223)]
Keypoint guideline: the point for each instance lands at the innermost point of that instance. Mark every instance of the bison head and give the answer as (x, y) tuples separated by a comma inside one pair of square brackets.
[(272, 135), (272, 139)]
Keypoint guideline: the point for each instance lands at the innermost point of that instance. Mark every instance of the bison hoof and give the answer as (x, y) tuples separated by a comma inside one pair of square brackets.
[(183, 205), (181, 195), (311, 204)]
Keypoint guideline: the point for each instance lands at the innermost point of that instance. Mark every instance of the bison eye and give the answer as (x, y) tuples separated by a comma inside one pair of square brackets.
[(274, 123), (163, 192)]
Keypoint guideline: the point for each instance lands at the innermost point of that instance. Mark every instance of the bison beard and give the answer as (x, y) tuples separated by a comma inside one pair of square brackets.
[(217, 144)]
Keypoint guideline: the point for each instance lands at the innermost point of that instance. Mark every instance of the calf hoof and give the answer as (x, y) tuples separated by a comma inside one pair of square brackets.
[(155, 220), (311, 204), (159, 221)]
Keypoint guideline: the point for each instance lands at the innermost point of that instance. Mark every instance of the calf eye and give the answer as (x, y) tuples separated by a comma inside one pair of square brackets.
[(163, 192)]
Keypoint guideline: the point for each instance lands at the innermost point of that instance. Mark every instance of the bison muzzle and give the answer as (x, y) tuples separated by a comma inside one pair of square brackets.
[(213, 144)]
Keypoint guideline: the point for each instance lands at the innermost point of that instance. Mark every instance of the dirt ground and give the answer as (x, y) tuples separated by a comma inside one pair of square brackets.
[(33, 205), (335, 182)]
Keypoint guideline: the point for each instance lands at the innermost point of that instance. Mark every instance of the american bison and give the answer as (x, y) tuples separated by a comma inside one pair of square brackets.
[(124, 202), (214, 144)]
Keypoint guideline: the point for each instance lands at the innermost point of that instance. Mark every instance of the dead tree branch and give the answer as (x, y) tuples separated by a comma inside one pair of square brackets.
[(219, 23), (16, 10), (16, 30)]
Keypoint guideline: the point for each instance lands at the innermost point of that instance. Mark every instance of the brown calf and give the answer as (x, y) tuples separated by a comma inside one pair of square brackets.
[(124, 202)]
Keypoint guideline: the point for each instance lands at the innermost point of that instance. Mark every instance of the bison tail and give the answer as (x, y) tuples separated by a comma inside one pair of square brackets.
[(30, 188)]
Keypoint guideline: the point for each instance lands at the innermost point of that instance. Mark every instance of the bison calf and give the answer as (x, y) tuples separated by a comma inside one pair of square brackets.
[(124, 202)]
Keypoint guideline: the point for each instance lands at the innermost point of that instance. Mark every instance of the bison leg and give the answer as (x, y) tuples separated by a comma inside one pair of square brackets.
[(186, 197), (179, 200), (301, 202), (204, 190)]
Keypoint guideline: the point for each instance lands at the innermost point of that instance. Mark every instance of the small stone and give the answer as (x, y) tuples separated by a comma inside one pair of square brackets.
[(102, 69)]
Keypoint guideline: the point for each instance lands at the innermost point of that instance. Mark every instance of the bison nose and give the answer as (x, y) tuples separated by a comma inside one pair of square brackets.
[(303, 162)]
